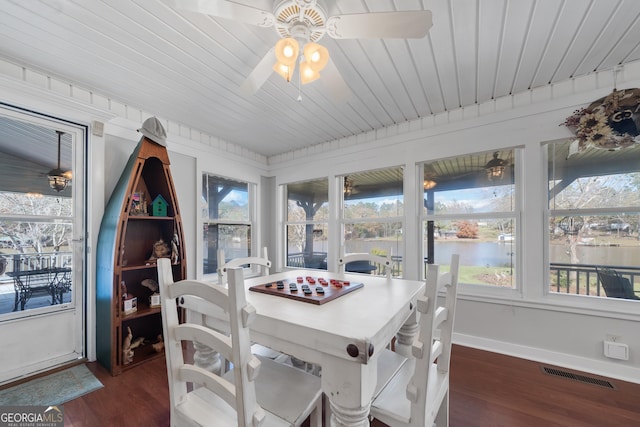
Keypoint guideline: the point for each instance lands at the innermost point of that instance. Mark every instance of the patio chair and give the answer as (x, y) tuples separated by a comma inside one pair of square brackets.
[(418, 393), (615, 285), (365, 263), (255, 391)]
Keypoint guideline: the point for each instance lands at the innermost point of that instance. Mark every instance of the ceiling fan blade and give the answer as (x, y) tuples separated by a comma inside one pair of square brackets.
[(260, 74), (335, 85), (228, 10), (380, 25)]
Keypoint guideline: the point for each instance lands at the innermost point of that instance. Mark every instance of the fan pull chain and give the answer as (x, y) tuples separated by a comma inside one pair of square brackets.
[(299, 98)]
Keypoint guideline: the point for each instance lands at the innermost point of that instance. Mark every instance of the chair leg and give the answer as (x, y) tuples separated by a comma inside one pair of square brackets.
[(315, 418), (442, 417), (326, 410)]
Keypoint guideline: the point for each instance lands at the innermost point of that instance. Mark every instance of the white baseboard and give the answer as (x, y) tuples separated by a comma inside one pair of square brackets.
[(597, 367)]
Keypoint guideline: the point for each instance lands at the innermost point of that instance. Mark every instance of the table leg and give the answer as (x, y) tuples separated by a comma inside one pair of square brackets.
[(15, 304), (21, 293), (54, 284), (206, 358), (25, 292), (349, 387), (406, 334), (348, 417)]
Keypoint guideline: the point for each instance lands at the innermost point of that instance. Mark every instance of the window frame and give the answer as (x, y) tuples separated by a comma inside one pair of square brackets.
[(602, 302), (343, 221), (250, 222), (479, 290), (287, 222)]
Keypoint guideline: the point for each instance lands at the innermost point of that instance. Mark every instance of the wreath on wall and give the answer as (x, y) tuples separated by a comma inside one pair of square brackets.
[(611, 122)]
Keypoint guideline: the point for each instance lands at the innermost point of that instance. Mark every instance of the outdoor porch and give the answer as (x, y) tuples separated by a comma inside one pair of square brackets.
[(578, 279), (34, 280)]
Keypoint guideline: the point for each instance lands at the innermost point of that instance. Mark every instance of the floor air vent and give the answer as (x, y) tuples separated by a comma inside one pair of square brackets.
[(577, 377)]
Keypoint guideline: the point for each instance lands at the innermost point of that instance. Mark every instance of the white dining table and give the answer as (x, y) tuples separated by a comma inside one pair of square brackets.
[(344, 336)]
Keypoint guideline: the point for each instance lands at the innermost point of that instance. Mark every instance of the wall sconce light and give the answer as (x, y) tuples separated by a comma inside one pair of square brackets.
[(495, 168), (59, 179)]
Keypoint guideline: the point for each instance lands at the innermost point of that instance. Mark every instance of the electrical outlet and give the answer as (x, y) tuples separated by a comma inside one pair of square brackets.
[(616, 350), (613, 338)]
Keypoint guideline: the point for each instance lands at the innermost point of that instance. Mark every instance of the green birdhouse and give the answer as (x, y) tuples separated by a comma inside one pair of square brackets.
[(159, 206)]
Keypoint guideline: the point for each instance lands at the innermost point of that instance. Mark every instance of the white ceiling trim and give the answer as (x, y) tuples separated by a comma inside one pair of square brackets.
[(586, 84)]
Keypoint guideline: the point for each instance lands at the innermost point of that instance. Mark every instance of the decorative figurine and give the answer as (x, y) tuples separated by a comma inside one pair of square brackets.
[(151, 284), (160, 250), (138, 204), (137, 342), (159, 206), (127, 352), (174, 249), (159, 346)]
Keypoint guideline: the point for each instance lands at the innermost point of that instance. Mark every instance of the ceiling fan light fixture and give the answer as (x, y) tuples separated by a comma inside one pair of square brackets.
[(284, 70), (307, 73), (287, 51), (301, 24), (58, 178), (57, 181), (348, 187), (316, 55), (428, 184), (495, 168)]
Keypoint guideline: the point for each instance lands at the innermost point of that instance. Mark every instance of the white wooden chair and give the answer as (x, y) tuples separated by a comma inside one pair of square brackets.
[(384, 262), (264, 264), (224, 265), (418, 393), (256, 391), (258, 349)]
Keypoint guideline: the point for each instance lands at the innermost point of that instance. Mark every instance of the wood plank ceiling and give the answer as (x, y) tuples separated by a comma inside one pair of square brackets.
[(188, 67)]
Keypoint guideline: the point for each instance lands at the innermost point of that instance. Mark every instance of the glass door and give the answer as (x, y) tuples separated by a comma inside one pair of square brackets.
[(41, 242)]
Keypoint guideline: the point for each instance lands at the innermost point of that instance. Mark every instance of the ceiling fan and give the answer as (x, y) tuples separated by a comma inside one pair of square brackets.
[(301, 24)]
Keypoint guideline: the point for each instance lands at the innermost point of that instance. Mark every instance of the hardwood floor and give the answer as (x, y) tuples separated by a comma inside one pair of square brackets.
[(487, 390), (137, 397)]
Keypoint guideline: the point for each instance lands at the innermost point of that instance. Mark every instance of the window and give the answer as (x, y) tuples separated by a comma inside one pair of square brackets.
[(226, 219), (40, 266), (594, 212), (37, 252), (373, 214), (307, 224), (470, 208)]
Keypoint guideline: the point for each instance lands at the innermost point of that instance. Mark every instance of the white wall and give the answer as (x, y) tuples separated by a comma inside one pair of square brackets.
[(191, 153), (563, 330)]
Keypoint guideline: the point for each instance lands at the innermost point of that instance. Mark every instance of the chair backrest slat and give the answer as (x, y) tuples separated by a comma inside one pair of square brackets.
[(220, 386), (206, 336), (242, 396), (223, 265), (429, 346), (384, 262)]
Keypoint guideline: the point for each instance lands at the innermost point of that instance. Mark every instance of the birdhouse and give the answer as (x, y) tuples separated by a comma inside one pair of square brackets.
[(159, 206)]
